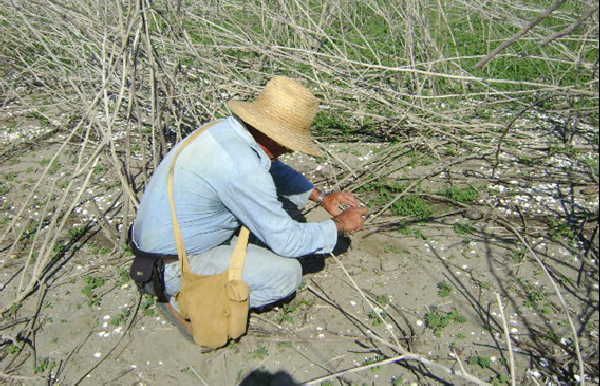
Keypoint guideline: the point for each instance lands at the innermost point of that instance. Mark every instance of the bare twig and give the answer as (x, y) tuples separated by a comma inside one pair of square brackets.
[(519, 34), (511, 357)]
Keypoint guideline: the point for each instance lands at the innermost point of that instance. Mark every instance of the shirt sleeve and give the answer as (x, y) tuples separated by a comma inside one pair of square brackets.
[(252, 197), (291, 184)]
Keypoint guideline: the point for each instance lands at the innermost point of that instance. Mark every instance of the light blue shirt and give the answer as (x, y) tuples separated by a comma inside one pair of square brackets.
[(224, 179)]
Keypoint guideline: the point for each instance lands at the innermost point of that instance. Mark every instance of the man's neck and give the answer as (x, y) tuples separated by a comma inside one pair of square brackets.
[(266, 150)]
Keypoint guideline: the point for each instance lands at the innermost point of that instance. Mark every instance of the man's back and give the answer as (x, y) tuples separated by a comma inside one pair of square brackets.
[(212, 159)]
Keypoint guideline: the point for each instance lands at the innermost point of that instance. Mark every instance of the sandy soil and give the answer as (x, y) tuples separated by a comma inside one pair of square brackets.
[(430, 287)]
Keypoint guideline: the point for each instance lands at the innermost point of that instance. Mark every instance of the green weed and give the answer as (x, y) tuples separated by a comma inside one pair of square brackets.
[(373, 359), (486, 285), (123, 277), (121, 318), (92, 283), (99, 170), (518, 255), (444, 289), (12, 311), (382, 299), (11, 176), (384, 190), (285, 345), (593, 165), (483, 362), (500, 380), (12, 349), (437, 320), (45, 364), (59, 250), (76, 233), (412, 231), (376, 321), (233, 346), (535, 298), (54, 166), (464, 228), (419, 158), (394, 249), (99, 250), (560, 230), (38, 116), (288, 310), (148, 305), (260, 353), (4, 188)]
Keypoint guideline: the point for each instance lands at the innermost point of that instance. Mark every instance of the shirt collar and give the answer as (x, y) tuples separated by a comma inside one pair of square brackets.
[(245, 135)]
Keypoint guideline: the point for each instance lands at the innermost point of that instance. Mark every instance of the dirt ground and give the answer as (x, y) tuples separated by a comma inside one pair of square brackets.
[(429, 286)]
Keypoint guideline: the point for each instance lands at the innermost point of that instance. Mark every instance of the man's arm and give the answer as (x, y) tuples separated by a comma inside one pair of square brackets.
[(251, 196), (290, 183), (293, 185)]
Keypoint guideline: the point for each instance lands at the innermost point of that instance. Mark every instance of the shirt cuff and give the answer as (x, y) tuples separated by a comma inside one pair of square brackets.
[(300, 199), (329, 236)]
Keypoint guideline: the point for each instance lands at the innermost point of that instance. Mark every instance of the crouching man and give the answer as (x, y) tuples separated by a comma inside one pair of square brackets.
[(230, 176)]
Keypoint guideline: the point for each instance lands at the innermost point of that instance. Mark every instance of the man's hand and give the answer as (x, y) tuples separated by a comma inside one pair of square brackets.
[(351, 220), (335, 203)]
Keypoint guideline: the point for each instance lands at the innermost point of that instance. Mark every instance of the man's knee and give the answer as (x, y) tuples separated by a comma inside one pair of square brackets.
[(292, 277), (284, 278)]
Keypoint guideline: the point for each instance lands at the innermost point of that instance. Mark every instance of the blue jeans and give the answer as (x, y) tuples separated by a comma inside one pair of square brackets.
[(269, 276)]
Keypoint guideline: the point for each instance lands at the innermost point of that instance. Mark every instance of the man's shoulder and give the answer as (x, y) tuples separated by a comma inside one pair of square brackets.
[(236, 146), (220, 153)]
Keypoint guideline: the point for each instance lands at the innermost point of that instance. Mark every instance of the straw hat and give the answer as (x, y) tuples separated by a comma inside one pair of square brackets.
[(284, 111)]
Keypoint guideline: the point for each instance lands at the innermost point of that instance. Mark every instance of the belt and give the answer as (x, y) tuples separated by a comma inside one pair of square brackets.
[(138, 252)]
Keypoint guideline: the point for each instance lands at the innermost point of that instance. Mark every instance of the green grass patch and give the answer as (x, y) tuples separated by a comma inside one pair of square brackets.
[(412, 205), (461, 193), (327, 124)]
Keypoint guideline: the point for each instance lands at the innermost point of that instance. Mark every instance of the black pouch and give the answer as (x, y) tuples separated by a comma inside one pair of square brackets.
[(148, 271), (149, 275)]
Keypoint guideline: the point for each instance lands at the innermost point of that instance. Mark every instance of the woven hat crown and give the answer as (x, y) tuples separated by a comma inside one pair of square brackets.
[(289, 101), (284, 111)]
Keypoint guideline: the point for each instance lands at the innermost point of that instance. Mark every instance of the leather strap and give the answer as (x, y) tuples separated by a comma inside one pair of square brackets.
[(236, 264)]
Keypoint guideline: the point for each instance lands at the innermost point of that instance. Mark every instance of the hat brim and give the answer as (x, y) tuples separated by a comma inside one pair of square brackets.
[(277, 130)]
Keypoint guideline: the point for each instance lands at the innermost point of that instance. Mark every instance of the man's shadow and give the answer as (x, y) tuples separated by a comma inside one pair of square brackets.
[(265, 378)]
